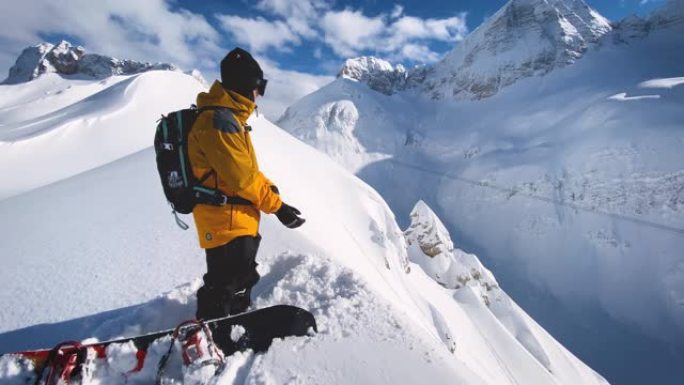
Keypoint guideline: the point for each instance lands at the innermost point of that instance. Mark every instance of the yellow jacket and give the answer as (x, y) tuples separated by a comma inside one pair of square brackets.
[(219, 141)]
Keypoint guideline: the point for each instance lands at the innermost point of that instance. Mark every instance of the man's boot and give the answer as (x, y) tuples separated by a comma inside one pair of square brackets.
[(210, 304), (241, 301)]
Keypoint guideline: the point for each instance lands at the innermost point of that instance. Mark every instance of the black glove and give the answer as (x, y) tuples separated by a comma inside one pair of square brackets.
[(288, 216)]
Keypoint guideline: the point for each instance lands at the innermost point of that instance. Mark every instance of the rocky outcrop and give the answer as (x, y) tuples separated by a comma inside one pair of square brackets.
[(378, 74), (430, 246), (66, 59)]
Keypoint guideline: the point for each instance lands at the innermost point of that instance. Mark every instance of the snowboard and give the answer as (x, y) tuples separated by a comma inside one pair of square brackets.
[(253, 330)]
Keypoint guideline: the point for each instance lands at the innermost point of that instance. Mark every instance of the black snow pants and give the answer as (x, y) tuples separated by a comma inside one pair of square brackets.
[(231, 273)]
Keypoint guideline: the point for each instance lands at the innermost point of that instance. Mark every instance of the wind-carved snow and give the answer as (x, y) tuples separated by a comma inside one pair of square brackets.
[(70, 125), (662, 83), (623, 97), (333, 126), (66, 59)]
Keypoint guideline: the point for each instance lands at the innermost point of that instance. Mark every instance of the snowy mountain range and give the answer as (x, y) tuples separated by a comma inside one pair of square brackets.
[(549, 141), (90, 251), (66, 59), (524, 38)]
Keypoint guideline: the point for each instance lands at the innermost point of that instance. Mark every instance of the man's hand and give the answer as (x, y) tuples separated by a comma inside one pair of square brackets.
[(289, 216)]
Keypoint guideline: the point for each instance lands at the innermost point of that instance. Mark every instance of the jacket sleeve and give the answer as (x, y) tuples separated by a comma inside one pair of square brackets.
[(261, 194), (228, 154)]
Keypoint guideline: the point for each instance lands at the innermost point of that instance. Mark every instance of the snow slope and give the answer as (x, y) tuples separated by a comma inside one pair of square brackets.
[(103, 257), (570, 182), (72, 125)]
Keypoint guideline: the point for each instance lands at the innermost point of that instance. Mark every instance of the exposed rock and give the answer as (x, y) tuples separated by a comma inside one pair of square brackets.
[(377, 73), (430, 246), (66, 59)]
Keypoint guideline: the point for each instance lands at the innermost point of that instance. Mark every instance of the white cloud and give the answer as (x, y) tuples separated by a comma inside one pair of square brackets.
[(397, 11), (259, 34), (286, 87), (349, 32), (142, 30), (418, 53), (300, 15)]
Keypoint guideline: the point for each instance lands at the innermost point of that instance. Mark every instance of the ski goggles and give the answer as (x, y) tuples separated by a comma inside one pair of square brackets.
[(261, 86)]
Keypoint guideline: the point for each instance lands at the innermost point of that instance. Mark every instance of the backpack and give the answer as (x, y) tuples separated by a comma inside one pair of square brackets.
[(182, 189)]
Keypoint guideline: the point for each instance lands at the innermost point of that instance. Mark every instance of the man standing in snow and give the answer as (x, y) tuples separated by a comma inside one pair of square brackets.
[(221, 153)]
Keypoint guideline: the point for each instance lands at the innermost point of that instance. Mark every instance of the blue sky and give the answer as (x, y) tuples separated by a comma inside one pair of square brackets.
[(303, 56), (300, 43), (311, 56)]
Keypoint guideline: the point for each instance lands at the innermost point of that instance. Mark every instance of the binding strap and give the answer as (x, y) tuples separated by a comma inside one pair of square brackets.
[(188, 333), (63, 360)]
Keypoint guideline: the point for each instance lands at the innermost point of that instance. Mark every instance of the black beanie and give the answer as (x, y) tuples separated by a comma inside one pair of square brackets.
[(241, 73)]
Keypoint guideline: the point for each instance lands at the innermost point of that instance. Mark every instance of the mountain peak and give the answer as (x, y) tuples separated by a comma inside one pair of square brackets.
[(67, 59), (377, 73), (524, 38)]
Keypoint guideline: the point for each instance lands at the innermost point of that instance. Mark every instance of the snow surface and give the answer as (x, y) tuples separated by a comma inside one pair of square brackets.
[(68, 125), (97, 255), (572, 194)]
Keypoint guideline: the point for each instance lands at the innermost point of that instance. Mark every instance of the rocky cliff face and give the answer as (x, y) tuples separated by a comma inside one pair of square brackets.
[(524, 38), (67, 59), (378, 74)]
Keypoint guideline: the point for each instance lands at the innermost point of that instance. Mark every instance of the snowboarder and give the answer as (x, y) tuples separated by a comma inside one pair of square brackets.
[(222, 156)]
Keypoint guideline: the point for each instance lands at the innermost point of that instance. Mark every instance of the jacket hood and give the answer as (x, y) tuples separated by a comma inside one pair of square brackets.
[(241, 107)]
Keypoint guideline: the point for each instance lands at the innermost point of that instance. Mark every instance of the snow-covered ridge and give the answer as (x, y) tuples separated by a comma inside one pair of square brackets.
[(70, 125), (66, 59)]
